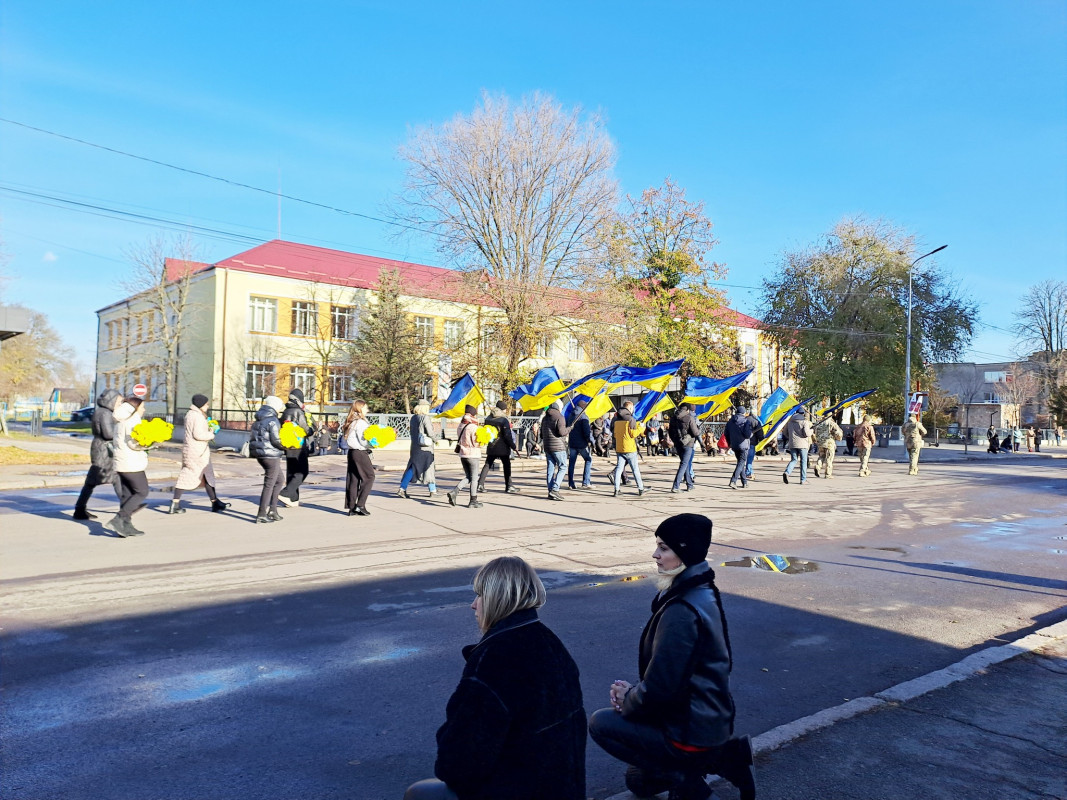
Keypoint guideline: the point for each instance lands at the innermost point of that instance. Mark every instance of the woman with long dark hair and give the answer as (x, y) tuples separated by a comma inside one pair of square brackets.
[(360, 476)]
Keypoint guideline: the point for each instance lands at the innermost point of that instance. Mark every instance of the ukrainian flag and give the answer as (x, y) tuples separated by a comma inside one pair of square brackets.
[(591, 384), (545, 387), (652, 403), (598, 406), (778, 417), (847, 402), (711, 396), (464, 393), (772, 404), (654, 378)]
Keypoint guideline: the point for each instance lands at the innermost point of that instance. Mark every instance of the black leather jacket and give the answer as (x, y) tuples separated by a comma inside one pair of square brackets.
[(104, 431), (685, 664), (295, 413), (683, 429), (266, 439)]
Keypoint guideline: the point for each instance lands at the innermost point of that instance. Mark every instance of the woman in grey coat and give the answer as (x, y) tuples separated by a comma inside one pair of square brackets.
[(420, 463), (102, 469)]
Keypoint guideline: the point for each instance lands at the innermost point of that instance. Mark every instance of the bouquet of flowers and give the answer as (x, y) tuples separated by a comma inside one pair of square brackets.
[(379, 435), (149, 432), (292, 435), (212, 425), (485, 434)]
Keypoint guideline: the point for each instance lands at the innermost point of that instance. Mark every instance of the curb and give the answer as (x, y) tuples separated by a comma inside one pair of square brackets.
[(972, 665)]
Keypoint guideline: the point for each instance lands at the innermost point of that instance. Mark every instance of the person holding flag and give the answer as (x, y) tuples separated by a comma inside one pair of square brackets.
[(469, 456), (757, 437), (499, 448), (578, 442), (626, 431), (738, 435), (798, 440), (555, 435)]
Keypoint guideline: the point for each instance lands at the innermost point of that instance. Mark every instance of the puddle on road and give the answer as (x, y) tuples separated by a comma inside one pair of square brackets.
[(771, 562), (900, 550)]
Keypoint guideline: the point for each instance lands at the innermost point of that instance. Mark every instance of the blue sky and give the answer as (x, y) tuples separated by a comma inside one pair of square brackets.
[(946, 118)]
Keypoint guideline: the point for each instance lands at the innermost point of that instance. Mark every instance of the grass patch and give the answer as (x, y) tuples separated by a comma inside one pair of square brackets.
[(15, 456)]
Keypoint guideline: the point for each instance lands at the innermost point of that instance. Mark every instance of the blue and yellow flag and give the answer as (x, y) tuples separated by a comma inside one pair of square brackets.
[(597, 406), (464, 393), (545, 387), (848, 401), (779, 397), (777, 418), (711, 396), (652, 403), (591, 384), (653, 378)]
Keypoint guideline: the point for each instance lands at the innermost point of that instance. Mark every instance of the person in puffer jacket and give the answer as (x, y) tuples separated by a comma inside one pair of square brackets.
[(131, 461), (102, 469), (266, 447), (676, 725), (500, 448)]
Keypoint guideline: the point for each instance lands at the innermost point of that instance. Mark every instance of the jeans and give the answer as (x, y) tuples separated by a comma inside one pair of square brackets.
[(741, 454), (555, 463), (409, 473), (751, 458), (685, 469), (572, 459), (622, 460), (273, 480), (798, 454), (430, 789)]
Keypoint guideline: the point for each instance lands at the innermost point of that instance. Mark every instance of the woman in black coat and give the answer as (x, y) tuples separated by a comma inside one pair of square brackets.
[(265, 445), (102, 460), (515, 726), (676, 725)]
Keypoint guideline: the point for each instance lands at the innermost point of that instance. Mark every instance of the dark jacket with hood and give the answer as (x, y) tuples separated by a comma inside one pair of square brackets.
[(104, 432), (738, 431), (683, 429), (554, 430), (504, 442), (266, 441), (581, 435), (515, 726), (685, 664), (294, 412)]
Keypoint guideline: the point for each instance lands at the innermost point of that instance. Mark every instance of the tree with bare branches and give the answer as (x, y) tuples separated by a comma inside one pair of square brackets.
[(518, 196), (1021, 387), (161, 279), (1041, 331)]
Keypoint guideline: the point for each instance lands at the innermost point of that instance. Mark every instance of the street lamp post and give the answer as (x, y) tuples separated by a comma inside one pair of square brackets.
[(907, 355)]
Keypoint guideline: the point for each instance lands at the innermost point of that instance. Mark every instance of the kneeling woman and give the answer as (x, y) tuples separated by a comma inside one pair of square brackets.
[(515, 726)]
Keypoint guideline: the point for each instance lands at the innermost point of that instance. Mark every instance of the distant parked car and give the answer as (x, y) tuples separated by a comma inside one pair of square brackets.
[(82, 414)]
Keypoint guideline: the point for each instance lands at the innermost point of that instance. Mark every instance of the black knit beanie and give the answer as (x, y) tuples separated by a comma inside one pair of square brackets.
[(199, 400), (502, 405), (688, 535), (298, 395), (470, 410)]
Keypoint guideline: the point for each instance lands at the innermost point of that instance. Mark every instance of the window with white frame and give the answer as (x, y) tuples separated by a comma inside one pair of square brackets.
[(259, 381), (996, 377), (424, 331), (489, 339), (453, 333), (750, 355), (303, 378), (262, 315), (304, 318), (342, 385), (574, 349), (544, 346), (345, 321)]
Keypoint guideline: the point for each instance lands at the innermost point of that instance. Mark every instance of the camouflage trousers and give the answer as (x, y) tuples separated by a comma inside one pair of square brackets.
[(827, 451), (913, 460), (865, 457)]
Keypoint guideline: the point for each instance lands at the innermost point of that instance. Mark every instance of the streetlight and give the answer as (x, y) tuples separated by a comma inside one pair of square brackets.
[(907, 356)]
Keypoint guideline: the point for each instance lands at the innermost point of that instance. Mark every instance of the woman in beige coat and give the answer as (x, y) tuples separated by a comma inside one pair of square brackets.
[(196, 458)]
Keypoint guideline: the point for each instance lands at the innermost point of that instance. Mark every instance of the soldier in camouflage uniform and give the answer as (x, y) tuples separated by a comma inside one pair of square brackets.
[(913, 432), (865, 439), (827, 435)]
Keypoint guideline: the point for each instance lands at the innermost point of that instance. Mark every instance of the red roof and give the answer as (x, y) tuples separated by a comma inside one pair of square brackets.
[(308, 262)]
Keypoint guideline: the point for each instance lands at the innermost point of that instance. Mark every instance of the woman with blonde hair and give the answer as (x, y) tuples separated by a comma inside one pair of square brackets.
[(515, 726), (360, 476)]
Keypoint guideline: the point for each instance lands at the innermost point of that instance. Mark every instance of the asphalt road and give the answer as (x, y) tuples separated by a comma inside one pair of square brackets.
[(313, 658)]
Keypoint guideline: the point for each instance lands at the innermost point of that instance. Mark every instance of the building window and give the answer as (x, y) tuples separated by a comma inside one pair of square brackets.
[(996, 377), (262, 315), (489, 339), (574, 349), (303, 378), (453, 333), (342, 385), (345, 321), (424, 331), (426, 390), (544, 346), (304, 319), (259, 381)]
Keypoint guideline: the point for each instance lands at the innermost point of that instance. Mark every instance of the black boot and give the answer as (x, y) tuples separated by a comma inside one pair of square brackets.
[(176, 507), (218, 505), (647, 783), (83, 514), (692, 787), (736, 766)]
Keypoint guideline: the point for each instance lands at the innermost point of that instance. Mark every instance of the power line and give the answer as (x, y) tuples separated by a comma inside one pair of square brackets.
[(220, 179)]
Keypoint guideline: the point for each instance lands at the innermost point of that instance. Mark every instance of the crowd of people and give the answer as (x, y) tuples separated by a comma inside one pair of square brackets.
[(566, 442)]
